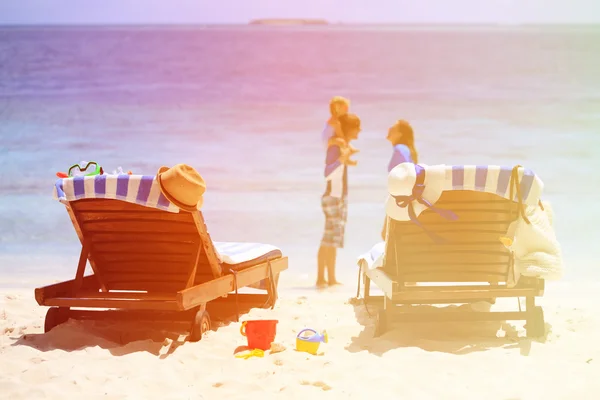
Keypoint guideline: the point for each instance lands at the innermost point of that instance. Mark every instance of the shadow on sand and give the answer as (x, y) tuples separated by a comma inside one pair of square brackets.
[(457, 338), (121, 337)]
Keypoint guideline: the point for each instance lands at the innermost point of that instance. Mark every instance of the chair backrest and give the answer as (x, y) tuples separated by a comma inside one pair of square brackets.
[(140, 248), (471, 252)]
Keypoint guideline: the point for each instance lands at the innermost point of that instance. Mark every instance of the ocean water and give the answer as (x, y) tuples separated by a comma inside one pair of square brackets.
[(246, 106)]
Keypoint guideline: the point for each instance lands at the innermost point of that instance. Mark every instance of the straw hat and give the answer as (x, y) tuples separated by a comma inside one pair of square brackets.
[(182, 185), (404, 187)]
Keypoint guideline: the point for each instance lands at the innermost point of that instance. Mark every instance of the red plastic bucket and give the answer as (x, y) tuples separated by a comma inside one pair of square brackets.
[(260, 333)]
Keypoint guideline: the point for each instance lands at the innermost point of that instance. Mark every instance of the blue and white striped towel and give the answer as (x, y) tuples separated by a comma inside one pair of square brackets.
[(137, 189), (494, 179), (482, 178)]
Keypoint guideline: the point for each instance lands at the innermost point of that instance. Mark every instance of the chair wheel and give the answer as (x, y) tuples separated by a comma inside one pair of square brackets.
[(536, 326), (54, 317), (200, 326), (380, 323)]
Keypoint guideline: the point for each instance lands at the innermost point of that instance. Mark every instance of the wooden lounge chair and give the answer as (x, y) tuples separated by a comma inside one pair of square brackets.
[(151, 262), (470, 265)]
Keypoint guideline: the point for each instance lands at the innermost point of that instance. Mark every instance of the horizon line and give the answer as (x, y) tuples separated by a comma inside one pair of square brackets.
[(328, 23)]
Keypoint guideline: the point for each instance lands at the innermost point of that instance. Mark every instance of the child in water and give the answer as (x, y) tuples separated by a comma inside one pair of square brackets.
[(333, 133)]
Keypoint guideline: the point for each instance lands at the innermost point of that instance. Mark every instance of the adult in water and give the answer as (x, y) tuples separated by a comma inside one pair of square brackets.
[(402, 138), (335, 200)]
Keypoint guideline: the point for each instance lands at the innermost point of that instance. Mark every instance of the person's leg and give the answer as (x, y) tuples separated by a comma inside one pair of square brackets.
[(331, 280), (339, 230), (328, 204), (321, 265)]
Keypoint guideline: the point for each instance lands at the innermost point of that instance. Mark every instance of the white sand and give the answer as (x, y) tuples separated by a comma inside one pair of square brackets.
[(85, 360)]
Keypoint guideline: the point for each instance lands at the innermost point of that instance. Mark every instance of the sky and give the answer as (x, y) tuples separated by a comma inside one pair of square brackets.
[(350, 11)]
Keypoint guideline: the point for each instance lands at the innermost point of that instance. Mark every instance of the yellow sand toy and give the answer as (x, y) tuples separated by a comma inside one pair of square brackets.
[(250, 353), (308, 340)]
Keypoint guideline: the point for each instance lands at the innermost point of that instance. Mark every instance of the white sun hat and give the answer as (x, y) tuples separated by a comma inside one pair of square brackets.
[(416, 185), (414, 188)]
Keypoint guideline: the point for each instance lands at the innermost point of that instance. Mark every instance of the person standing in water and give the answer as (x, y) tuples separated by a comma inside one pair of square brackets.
[(335, 200), (402, 138)]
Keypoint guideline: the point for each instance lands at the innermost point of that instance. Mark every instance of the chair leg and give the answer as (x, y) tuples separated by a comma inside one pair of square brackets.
[(384, 317), (358, 283), (367, 283), (535, 326), (389, 308), (380, 323)]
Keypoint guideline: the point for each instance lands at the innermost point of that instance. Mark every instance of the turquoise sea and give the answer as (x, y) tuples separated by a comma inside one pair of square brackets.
[(246, 105)]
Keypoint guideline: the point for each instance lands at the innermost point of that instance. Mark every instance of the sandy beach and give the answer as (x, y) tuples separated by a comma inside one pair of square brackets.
[(418, 361)]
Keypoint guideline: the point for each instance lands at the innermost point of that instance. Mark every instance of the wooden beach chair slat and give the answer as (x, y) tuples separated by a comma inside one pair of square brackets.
[(406, 260), (471, 252), (207, 244), (194, 267), (111, 302), (184, 261), (208, 291), (77, 227)]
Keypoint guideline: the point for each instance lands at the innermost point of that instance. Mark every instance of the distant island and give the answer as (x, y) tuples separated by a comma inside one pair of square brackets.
[(285, 21)]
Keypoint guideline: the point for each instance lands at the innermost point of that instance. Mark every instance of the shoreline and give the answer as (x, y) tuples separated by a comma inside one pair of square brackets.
[(40, 270)]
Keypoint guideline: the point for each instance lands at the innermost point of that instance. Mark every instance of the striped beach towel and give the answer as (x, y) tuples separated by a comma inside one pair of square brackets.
[(137, 189), (494, 179), (432, 180)]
